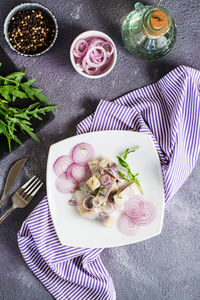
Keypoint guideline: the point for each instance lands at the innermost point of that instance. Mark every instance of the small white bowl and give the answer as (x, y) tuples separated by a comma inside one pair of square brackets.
[(93, 33)]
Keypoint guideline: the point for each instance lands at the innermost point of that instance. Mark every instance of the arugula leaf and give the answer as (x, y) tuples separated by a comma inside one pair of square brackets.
[(13, 118), (127, 174), (122, 162), (28, 83), (19, 94), (17, 76), (127, 152)]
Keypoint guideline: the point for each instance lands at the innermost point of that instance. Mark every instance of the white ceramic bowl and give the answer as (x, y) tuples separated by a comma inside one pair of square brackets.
[(26, 6), (93, 33)]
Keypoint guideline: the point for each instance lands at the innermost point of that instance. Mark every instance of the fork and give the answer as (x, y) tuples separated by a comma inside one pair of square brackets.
[(24, 195)]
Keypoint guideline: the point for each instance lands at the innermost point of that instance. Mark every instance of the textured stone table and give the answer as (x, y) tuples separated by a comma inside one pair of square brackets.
[(165, 267)]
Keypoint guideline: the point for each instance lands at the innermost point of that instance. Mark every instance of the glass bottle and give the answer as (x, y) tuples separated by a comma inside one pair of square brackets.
[(149, 32)]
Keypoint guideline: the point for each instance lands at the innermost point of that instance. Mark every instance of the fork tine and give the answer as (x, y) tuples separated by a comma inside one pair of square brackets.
[(33, 193), (29, 191), (29, 187), (26, 184)]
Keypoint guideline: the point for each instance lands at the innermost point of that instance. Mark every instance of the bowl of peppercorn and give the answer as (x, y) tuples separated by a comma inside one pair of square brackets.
[(30, 29)]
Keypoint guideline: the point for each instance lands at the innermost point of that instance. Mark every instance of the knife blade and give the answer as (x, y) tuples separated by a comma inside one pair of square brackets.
[(14, 171)]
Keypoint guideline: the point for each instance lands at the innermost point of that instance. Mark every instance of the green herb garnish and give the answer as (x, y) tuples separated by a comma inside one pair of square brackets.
[(119, 196), (129, 151), (91, 164), (102, 188), (100, 194), (12, 118), (128, 175)]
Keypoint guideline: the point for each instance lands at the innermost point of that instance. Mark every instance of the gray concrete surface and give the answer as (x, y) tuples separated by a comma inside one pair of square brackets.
[(166, 267)]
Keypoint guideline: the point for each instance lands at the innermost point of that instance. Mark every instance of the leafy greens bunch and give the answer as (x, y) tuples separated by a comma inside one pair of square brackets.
[(13, 87), (126, 174)]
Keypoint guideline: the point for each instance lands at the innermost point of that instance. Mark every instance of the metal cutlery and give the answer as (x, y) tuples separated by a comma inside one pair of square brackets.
[(14, 171), (24, 195)]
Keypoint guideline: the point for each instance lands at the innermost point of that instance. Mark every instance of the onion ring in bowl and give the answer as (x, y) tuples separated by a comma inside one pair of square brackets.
[(93, 55)]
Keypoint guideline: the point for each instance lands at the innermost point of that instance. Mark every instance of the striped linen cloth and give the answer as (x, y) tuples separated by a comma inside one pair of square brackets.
[(169, 111)]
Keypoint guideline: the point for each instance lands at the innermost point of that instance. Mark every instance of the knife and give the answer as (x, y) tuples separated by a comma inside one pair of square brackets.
[(14, 171)]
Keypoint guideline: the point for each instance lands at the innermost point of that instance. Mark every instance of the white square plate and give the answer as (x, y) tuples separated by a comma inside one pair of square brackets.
[(75, 230)]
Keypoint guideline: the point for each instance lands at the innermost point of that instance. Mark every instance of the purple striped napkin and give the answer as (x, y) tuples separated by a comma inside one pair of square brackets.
[(169, 111)]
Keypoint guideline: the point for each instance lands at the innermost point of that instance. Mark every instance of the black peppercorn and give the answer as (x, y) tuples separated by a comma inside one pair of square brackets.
[(31, 31)]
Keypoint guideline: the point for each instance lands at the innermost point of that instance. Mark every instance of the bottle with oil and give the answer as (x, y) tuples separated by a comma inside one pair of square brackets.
[(149, 32)]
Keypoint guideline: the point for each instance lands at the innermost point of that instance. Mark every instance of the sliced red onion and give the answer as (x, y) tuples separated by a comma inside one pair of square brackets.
[(148, 214), (91, 70), (127, 225), (96, 55), (111, 171), (105, 180), (80, 48), (105, 46), (93, 55), (88, 202), (83, 153), (62, 163), (134, 207), (69, 173), (72, 202), (95, 63), (78, 173), (76, 54), (97, 41), (65, 185), (142, 212)]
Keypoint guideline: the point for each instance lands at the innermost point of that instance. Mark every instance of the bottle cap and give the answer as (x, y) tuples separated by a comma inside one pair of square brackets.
[(158, 20)]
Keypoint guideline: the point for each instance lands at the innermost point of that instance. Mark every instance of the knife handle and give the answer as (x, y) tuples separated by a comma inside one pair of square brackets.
[(6, 214), (2, 199)]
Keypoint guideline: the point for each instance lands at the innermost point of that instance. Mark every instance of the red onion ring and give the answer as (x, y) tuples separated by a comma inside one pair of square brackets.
[(111, 46), (142, 212), (92, 56), (83, 153), (96, 63), (97, 41), (105, 180), (127, 225), (78, 173), (134, 207), (65, 185), (72, 202), (91, 70), (111, 171), (148, 214), (80, 48), (61, 164)]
